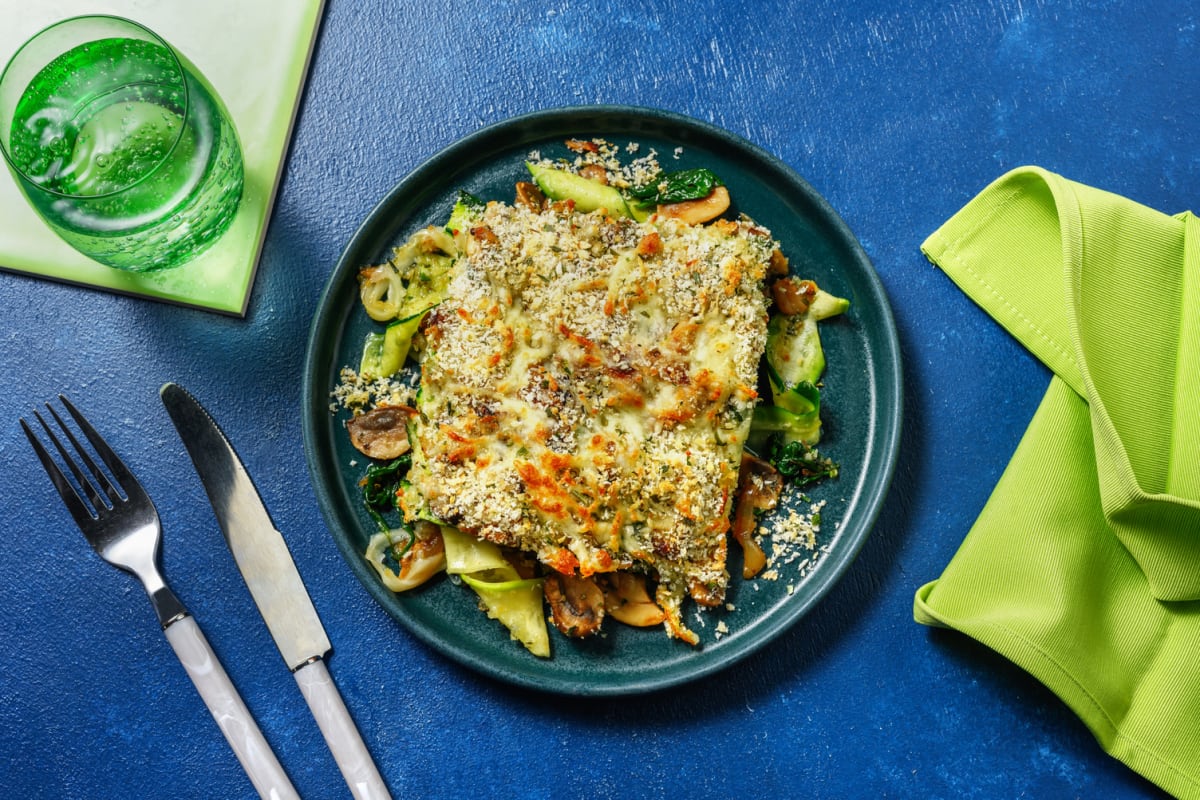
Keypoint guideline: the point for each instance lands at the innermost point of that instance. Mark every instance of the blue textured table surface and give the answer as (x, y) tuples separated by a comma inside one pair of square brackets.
[(897, 113)]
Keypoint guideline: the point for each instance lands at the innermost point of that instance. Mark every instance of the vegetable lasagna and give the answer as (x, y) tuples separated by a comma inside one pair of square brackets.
[(587, 388)]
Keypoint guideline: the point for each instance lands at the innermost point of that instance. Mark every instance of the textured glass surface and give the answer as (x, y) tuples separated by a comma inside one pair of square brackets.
[(262, 109)]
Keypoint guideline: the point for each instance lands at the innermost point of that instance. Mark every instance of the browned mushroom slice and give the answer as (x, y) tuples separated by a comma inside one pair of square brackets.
[(792, 296), (530, 196), (594, 172), (759, 487), (576, 604), (627, 600), (381, 433), (582, 146), (778, 265), (695, 212)]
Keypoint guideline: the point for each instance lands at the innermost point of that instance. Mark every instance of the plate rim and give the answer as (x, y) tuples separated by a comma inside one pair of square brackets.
[(420, 182)]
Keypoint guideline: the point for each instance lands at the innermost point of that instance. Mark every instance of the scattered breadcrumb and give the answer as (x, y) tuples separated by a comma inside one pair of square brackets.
[(792, 535), (603, 153), (360, 393)]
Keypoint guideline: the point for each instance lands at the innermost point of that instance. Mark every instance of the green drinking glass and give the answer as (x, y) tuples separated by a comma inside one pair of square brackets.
[(119, 143)]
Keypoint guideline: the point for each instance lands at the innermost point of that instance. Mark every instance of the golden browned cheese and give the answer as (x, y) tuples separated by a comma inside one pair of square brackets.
[(587, 388)]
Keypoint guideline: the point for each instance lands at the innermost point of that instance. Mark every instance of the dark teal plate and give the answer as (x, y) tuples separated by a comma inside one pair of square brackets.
[(861, 401)]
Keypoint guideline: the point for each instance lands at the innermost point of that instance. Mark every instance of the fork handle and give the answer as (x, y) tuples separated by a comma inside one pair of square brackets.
[(227, 708)]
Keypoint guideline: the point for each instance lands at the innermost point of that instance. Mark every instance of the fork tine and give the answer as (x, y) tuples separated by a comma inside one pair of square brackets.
[(126, 482), (81, 479), (79, 510), (98, 479)]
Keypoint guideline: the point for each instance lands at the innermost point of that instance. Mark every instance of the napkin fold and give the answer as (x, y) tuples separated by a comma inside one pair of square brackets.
[(1084, 565)]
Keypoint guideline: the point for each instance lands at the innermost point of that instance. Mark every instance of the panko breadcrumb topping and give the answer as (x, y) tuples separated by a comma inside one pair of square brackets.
[(587, 388)]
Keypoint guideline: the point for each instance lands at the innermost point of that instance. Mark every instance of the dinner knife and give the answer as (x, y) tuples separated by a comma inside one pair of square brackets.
[(262, 557)]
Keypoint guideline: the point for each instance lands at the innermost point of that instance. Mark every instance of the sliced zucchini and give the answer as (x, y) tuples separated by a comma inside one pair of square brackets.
[(771, 421), (517, 605), (589, 195), (507, 598), (465, 213), (397, 341), (426, 284), (803, 398), (370, 365), (793, 353), (825, 305), (466, 554), (795, 363)]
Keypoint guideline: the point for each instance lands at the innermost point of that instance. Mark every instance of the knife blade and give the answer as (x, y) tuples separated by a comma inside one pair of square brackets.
[(262, 557)]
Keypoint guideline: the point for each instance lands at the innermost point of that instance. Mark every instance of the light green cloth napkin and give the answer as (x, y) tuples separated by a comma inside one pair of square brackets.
[(1084, 566)]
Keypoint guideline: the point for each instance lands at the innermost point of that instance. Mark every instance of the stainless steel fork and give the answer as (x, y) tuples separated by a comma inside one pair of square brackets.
[(121, 523)]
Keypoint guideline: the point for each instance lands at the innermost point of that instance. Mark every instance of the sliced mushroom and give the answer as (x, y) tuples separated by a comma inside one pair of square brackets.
[(627, 600), (594, 172), (759, 487), (576, 604), (582, 146), (778, 265), (695, 212), (706, 593), (381, 433), (530, 196), (793, 297)]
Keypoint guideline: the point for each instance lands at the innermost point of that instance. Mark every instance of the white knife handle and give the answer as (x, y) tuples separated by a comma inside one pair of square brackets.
[(231, 714), (340, 733)]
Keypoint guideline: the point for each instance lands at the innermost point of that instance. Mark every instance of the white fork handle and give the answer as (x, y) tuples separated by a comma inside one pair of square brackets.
[(231, 714), (343, 738)]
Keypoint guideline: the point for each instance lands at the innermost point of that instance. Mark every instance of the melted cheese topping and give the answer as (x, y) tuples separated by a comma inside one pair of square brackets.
[(586, 390)]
